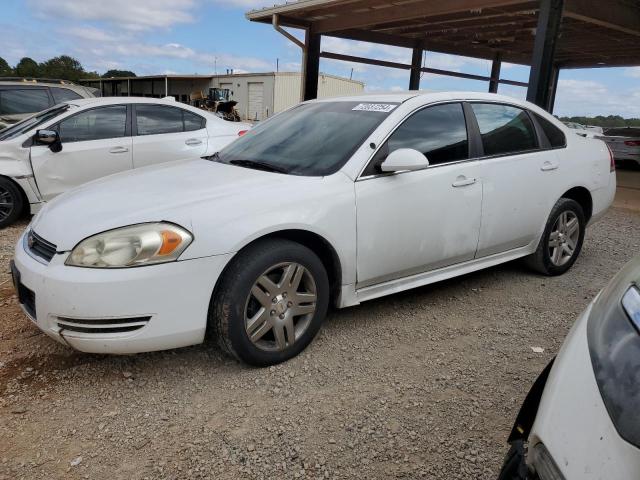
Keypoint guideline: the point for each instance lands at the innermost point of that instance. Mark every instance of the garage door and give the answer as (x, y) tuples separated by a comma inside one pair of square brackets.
[(256, 99)]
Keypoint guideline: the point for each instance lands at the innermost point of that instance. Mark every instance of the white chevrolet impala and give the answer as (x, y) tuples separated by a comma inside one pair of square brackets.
[(333, 201)]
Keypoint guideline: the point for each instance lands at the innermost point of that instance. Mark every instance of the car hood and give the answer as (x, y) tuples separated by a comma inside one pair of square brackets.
[(175, 192)]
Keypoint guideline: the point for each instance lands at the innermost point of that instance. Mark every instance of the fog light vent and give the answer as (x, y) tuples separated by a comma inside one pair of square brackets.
[(102, 325)]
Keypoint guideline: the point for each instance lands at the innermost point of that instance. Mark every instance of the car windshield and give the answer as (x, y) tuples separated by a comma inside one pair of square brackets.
[(313, 139), (32, 122)]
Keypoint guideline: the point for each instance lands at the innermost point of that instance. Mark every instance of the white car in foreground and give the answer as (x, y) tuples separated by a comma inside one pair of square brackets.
[(80, 140), (580, 420), (339, 201)]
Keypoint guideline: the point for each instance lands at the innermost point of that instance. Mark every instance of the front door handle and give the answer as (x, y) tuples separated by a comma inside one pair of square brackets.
[(548, 166), (463, 181), (119, 150), (192, 142)]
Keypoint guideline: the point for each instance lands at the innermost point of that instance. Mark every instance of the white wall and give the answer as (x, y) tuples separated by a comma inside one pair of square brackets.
[(240, 92), (287, 88), (282, 90)]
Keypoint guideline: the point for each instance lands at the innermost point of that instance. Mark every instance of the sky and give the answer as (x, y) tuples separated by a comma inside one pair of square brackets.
[(211, 36)]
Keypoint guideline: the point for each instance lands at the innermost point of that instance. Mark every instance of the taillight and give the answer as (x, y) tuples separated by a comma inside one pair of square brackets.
[(612, 167), (242, 132), (632, 143)]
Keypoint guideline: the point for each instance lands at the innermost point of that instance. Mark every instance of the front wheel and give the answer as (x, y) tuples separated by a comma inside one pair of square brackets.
[(11, 202), (270, 303), (561, 240)]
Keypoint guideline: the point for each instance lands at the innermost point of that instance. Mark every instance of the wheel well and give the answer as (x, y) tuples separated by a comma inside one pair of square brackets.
[(583, 197), (321, 247), (25, 199)]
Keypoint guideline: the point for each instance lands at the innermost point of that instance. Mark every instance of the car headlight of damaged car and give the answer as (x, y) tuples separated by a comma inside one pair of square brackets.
[(631, 305), (133, 246)]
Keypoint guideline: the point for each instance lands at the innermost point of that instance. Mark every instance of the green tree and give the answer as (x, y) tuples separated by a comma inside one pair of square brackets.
[(63, 67), (5, 69), (28, 67), (606, 122), (118, 73)]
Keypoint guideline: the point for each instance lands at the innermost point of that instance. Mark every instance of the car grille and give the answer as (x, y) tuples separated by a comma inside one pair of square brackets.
[(102, 325), (40, 247)]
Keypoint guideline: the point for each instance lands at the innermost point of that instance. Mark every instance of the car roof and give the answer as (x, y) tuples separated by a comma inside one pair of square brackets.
[(427, 97), (83, 102)]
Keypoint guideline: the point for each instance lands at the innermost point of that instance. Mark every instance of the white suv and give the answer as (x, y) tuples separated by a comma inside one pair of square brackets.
[(22, 97), (82, 140)]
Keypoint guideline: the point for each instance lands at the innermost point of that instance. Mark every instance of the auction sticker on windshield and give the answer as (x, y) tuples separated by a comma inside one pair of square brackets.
[(375, 107)]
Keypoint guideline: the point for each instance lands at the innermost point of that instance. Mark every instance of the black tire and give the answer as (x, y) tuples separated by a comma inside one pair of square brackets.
[(540, 260), (515, 465), (10, 193), (226, 320)]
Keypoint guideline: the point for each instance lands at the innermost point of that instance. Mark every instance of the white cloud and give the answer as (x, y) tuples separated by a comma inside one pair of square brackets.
[(588, 97), (633, 72), (248, 4), (134, 15)]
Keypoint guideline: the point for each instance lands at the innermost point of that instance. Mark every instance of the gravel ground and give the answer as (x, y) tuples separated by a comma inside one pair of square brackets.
[(421, 384)]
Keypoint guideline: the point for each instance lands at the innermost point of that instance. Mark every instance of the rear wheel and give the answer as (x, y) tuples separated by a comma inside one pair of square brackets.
[(11, 202), (561, 240), (271, 302)]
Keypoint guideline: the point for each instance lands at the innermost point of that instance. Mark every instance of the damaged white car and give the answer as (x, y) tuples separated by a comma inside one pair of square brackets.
[(81, 140)]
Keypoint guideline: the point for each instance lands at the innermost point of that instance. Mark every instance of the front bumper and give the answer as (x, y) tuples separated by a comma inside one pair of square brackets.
[(572, 421), (120, 311)]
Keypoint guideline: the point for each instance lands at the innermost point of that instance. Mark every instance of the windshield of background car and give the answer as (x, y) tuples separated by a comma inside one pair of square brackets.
[(622, 132), (32, 122), (313, 139)]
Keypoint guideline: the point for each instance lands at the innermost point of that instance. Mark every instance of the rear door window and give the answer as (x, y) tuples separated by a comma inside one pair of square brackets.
[(504, 129), (23, 100), (63, 95), (554, 134), (192, 121), (158, 119), (95, 124)]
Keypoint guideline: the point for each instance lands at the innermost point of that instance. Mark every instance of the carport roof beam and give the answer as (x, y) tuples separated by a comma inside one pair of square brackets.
[(406, 66), (608, 30)]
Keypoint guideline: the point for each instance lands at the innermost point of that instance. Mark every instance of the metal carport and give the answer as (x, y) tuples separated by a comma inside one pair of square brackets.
[(548, 35)]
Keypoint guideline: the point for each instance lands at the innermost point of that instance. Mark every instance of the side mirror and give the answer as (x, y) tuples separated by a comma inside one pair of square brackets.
[(50, 138), (404, 159)]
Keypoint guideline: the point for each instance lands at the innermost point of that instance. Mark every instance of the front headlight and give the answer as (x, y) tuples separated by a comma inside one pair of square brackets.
[(631, 305), (544, 464), (613, 334), (133, 246)]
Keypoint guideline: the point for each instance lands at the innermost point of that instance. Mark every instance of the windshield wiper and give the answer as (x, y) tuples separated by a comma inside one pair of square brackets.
[(259, 165), (213, 158)]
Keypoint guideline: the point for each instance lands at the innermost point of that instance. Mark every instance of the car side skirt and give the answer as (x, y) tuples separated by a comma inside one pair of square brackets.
[(426, 278)]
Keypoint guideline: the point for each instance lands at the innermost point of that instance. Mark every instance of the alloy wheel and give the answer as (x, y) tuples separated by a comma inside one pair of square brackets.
[(564, 237), (6, 204), (280, 306)]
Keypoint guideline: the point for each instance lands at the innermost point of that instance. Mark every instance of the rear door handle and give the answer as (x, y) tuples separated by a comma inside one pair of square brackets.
[(548, 166), (463, 181), (119, 150), (193, 142)]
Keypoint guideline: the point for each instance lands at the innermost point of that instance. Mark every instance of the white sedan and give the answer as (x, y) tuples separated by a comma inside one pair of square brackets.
[(333, 201), (80, 140)]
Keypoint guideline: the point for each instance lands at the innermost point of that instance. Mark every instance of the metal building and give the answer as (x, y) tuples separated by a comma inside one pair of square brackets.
[(259, 95)]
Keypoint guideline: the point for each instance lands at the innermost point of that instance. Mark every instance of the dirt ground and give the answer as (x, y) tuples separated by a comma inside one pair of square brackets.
[(423, 384)]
